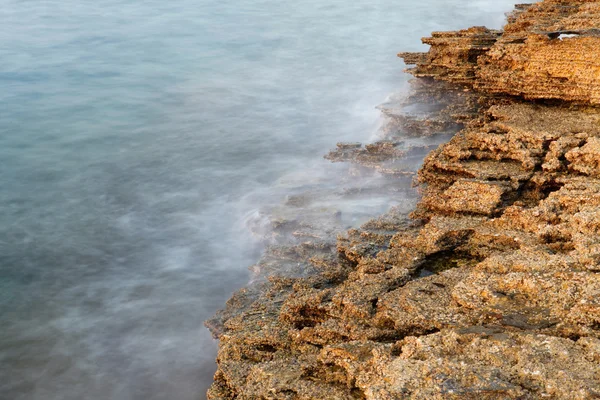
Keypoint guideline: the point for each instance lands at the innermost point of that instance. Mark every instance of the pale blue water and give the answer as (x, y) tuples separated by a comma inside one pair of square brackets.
[(136, 137)]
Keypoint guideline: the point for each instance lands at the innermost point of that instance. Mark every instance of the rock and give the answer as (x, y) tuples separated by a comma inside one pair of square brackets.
[(453, 55), (491, 288), (534, 61)]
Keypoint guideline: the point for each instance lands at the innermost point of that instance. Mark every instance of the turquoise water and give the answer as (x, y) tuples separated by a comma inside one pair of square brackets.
[(135, 140)]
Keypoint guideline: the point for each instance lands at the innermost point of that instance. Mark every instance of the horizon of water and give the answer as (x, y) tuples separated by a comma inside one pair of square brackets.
[(136, 138)]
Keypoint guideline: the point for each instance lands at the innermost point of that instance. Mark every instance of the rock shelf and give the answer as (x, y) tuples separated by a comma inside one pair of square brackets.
[(490, 288)]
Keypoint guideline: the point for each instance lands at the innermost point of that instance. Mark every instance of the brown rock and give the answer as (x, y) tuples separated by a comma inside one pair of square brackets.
[(492, 291)]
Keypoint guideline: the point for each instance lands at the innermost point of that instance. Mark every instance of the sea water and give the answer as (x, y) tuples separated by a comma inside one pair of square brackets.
[(138, 137)]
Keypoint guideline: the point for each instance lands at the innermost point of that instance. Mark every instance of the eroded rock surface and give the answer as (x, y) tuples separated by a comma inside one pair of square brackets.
[(490, 289)]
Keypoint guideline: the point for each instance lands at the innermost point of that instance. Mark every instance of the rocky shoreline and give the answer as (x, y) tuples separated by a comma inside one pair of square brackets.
[(490, 288)]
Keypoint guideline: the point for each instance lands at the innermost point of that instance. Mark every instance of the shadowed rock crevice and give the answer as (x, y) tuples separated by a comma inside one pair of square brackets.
[(489, 289)]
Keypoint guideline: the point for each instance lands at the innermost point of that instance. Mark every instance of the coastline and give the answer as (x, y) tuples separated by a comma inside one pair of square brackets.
[(490, 288)]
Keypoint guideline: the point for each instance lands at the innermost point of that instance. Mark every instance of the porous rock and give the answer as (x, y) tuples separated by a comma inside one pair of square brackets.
[(491, 288)]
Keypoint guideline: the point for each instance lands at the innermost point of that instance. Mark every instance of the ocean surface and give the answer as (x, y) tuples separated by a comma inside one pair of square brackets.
[(138, 138)]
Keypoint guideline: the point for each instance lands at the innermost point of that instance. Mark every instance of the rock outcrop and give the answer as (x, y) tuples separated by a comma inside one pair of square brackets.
[(490, 289)]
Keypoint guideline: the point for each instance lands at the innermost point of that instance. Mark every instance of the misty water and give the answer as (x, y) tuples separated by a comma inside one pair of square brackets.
[(137, 139)]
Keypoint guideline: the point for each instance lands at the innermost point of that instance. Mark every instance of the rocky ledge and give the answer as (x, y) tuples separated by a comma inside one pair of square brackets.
[(490, 289)]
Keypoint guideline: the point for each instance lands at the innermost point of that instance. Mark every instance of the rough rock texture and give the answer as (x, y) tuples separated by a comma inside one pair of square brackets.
[(453, 55), (491, 288), (550, 51)]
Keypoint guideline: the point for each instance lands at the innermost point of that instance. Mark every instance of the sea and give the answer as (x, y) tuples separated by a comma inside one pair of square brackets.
[(137, 141)]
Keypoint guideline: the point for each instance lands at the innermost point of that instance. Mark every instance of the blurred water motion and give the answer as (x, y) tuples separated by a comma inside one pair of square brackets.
[(136, 141)]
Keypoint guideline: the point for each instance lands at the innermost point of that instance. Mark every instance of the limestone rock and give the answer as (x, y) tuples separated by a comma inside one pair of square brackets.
[(491, 288)]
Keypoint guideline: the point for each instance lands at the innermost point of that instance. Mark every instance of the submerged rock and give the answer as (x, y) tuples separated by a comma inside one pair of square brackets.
[(491, 288)]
